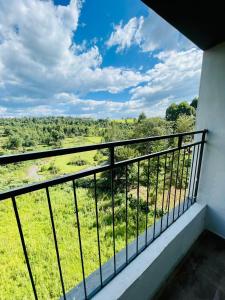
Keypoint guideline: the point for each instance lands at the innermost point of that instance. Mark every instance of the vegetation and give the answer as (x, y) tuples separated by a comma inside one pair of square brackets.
[(28, 134), (174, 111)]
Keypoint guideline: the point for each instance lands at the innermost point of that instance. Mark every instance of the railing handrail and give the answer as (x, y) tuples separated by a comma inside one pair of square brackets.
[(86, 172), (14, 158), (170, 208)]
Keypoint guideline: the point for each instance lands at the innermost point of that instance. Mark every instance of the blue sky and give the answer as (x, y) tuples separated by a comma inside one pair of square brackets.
[(92, 58)]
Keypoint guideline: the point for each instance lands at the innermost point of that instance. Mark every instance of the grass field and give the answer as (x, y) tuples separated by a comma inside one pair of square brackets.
[(14, 280), (34, 213), (17, 174)]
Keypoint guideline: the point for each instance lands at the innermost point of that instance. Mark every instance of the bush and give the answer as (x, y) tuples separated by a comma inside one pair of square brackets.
[(28, 142), (99, 157), (85, 182), (77, 162), (14, 142), (133, 202), (53, 169), (44, 168)]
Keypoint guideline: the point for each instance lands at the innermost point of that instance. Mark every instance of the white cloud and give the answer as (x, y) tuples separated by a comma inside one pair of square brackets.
[(100, 107), (176, 76), (149, 33), (111, 109), (43, 72), (3, 110), (38, 58), (127, 35), (37, 111), (70, 104)]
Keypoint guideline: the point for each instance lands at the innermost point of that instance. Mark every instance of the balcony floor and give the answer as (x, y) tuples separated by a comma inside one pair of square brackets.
[(201, 275)]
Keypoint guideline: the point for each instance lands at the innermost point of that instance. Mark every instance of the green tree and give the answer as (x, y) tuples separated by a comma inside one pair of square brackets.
[(151, 127), (28, 141), (194, 103), (142, 117), (175, 110), (57, 136), (172, 112), (185, 123), (14, 142), (8, 131)]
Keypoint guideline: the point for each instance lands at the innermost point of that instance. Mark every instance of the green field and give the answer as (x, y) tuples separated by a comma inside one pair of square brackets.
[(35, 219), (33, 207), (32, 171)]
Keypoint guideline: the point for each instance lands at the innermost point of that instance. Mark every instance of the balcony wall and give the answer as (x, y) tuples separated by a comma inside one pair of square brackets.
[(211, 115), (145, 275)]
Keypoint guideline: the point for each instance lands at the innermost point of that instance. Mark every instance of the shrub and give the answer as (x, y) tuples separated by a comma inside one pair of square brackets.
[(77, 162), (14, 142), (53, 169)]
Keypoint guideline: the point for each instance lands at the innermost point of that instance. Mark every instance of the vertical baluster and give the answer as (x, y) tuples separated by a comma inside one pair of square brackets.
[(156, 196), (112, 160), (186, 180), (181, 181), (147, 203), (79, 238), (175, 187), (200, 163), (138, 196), (126, 175), (19, 226), (97, 228), (191, 177), (195, 174), (163, 197), (55, 241), (169, 191)]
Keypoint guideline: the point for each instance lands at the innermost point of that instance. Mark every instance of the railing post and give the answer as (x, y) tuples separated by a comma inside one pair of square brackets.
[(112, 156), (112, 162), (79, 239), (55, 242), (199, 164), (24, 246), (111, 169), (180, 138)]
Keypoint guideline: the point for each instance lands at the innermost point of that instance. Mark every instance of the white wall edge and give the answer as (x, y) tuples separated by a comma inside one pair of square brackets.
[(142, 278), (210, 115)]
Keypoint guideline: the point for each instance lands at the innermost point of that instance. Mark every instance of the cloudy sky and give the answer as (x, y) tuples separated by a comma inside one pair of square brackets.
[(92, 58)]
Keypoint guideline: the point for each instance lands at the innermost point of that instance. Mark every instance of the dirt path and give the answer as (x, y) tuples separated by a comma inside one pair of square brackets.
[(32, 172)]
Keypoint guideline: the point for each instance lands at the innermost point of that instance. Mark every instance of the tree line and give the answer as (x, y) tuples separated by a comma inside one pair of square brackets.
[(51, 131)]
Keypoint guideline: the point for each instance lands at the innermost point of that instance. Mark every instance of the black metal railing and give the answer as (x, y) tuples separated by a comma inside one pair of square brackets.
[(172, 173)]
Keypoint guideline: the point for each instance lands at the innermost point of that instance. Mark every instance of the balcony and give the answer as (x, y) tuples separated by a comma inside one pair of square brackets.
[(158, 210), (166, 231), (201, 273)]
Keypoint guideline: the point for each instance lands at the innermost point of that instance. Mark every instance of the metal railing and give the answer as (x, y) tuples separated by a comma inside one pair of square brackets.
[(175, 169)]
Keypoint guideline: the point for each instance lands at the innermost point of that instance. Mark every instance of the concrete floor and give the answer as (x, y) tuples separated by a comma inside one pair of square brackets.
[(201, 275)]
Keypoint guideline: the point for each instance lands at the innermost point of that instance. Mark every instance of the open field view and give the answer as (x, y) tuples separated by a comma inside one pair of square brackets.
[(149, 188), (100, 153)]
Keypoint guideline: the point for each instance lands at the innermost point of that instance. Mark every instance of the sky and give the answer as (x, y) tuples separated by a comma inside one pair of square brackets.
[(94, 58)]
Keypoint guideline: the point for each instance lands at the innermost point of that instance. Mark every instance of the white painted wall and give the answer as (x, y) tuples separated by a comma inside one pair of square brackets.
[(211, 115), (143, 277)]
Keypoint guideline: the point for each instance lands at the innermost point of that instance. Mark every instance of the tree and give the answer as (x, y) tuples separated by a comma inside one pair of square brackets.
[(8, 131), (185, 123), (142, 117), (175, 110), (171, 112), (151, 127), (194, 103), (14, 142), (57, 137), (29, 140)]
